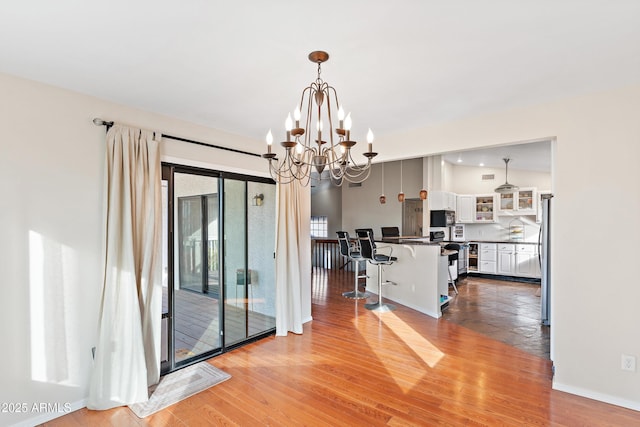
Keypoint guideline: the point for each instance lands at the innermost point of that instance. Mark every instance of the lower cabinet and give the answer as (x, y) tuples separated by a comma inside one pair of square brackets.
[(487, 258), (508, 259), (527, 263)]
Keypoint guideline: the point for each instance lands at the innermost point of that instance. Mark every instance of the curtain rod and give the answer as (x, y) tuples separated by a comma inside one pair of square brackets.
[(100, 122)]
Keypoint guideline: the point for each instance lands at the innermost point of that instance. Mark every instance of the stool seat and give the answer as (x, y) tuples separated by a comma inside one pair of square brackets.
[(383, 259)]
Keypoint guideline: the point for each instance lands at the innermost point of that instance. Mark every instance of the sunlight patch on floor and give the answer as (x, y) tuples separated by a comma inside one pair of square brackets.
[(395, 337), (429, 353)]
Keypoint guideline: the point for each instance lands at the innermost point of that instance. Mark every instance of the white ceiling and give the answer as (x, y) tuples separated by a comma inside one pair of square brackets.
[(534, 156), (240, 66)]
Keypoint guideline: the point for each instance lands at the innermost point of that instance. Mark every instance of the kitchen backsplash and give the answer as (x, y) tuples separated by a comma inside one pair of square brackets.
[(500, 231)]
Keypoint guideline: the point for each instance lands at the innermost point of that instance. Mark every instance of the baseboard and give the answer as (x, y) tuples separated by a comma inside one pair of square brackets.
[(590, 394), (308, 319), (48, 416)]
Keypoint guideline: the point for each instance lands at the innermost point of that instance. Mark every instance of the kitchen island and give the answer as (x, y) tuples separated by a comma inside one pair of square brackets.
[(420, 274)]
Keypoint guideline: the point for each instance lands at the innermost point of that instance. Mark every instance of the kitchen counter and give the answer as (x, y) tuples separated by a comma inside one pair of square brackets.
[(513, 242), (420, 274), (407, 240)]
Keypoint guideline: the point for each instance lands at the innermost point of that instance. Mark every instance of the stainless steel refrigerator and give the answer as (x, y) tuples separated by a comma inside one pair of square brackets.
[(545, 259)]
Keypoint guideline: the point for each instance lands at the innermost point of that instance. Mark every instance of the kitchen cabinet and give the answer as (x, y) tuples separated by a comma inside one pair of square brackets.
[(526, 261), (442, 201), (465, 208), (485, 208), (521, 202), (487, 258), (472, 258), (506, 259)]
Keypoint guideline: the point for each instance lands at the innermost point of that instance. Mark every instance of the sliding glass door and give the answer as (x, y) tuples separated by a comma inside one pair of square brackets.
[(219, 287), (249, 212)]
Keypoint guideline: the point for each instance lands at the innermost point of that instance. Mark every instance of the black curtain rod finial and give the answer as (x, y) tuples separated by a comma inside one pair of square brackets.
[(100, 122)]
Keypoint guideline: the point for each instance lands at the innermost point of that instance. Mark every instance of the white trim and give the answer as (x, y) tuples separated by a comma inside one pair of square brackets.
[(602, 397), (48, 416), (307, 320), (214, 166)]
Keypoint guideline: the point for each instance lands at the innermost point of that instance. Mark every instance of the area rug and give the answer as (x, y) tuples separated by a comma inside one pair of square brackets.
[(179, 385)]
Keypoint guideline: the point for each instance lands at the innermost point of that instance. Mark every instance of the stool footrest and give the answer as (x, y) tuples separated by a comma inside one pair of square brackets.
[(356, 295), (380, 307)]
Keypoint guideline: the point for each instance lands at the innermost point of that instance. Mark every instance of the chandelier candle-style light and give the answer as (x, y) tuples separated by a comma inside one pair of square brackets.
[(305, 152)]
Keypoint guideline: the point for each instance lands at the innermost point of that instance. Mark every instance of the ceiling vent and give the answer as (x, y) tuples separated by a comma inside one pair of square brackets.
[(355, 184), (488, 177)]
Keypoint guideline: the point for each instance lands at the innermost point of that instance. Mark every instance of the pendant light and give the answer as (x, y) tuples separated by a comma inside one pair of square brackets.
[(506, 188), (401, 193), (383, 198), (423, 194)]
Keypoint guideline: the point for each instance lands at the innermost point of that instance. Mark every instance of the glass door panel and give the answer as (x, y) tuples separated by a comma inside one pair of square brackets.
[(249, 212), (235, 254), (196, 290), (261, 233)]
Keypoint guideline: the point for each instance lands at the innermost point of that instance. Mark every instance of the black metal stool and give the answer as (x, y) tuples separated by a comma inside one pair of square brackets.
[(352, 253), (370, 253)]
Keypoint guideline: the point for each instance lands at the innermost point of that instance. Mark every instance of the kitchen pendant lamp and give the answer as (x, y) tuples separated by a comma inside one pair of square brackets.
[(506, 188), (401, 193), (383, 198)]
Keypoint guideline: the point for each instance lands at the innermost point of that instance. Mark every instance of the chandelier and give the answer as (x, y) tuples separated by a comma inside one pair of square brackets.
[(306, 151)]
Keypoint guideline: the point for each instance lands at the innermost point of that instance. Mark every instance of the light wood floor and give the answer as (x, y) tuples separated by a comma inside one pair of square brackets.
[(354, 367)]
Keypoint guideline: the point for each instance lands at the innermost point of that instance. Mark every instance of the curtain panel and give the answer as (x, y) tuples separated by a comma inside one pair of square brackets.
[(293, 258), (127, 357)]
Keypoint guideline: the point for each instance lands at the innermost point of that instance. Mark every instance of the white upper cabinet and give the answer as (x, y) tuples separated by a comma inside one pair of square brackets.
[(485, 208), (442, 201), (521, 202), (466, 208)]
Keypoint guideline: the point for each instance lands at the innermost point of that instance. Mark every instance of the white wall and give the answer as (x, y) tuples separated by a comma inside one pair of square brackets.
[(360, 205), (51, 219), (595, 299)]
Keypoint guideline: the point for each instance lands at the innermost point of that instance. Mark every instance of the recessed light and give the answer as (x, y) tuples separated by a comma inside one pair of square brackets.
[(481, 164), (459, 160)]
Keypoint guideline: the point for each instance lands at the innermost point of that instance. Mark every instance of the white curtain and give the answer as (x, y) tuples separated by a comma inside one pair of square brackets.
[(127, 358), (293, 257)]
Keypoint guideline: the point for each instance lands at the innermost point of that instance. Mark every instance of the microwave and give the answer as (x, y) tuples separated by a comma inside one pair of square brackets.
[(443, 218)]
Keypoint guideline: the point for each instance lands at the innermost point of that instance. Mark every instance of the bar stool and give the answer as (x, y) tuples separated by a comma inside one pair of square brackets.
[(370, 253), (452, 258), (352, 253)]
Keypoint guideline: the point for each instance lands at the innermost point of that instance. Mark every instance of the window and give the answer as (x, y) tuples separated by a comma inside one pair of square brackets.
[(318, 227)]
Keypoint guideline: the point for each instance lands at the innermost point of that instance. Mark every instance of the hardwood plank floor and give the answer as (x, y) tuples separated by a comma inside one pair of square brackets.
[(354, 367)]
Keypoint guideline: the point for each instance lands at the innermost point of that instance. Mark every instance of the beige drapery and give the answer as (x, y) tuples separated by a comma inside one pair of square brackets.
[(127, 358), (293, 258)]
